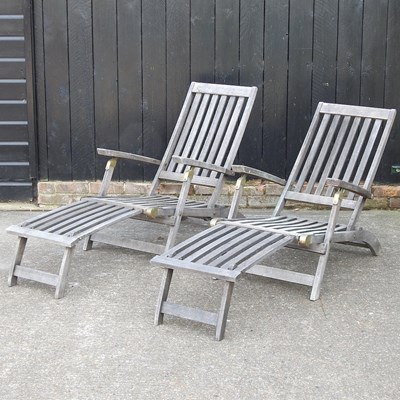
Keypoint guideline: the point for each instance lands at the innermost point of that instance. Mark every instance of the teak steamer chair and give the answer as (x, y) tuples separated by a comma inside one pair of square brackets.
[(206, 138), (335, 168)]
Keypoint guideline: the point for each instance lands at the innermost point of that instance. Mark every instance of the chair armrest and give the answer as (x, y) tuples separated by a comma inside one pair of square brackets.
[(243, 169), (127, 156), (202, 164), (350, 187)]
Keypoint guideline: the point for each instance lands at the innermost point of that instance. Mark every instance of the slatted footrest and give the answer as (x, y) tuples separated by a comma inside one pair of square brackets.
[(67, 225), (223, 252)]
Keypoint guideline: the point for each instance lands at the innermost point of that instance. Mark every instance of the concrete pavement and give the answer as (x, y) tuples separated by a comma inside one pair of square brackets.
[(99, 342)]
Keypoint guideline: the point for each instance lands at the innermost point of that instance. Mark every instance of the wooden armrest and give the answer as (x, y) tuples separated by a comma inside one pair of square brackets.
[(202, 164), (243, 169), (127, 156), (350, 187)]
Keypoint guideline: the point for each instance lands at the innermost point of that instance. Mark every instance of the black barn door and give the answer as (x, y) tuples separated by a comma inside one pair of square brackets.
[(17, 127)]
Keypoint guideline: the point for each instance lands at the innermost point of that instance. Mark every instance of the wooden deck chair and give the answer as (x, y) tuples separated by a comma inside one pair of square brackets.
[(206, 138), (335, 168)]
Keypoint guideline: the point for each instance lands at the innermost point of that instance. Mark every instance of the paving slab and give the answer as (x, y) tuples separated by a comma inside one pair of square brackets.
[(99, 341)]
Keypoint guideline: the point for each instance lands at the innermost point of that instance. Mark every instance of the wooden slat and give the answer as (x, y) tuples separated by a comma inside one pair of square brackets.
[(316, 143), (11, 25), (299, 75), (221, 133), (181, 139), (202, 31), (281, 274), (251, 48), (154, 81), (178, 57), (13, 89), (27, 232), (57, 90), (349, 51), (355, 111), (323, 151), (80, 53), (12, 47), (227, 41), (172, 263), (333, 153), (375, 13), (192, 314), (36, 275), (324, 51), (105, 53), (12, 68), (315, 199), (130, 118), (13, 110)]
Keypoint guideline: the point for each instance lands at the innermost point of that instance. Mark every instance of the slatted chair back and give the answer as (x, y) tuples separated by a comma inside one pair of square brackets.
[(210, 128), (343, 142)]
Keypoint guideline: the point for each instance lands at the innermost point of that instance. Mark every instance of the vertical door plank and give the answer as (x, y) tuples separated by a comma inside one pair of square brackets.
[(81, 88), (105, 78), (275, 85), (130, 84), (299, 80), (40, 86), (154, 81), (227, 41), (373, 53), (178, 58), (392, 90), (349, 51), (251, 74), (324, 53), (202, 45), (57, 89)]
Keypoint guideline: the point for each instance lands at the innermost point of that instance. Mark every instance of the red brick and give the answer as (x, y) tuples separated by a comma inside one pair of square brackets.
[(394, 202)]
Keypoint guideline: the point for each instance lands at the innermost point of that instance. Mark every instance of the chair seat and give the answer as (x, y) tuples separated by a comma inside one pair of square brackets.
[(66, 225)]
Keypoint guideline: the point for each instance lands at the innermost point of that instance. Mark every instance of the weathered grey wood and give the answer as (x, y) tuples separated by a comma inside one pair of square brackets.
[(128, 243), (333, 160), (281, 274), (350, 187), (21, 244), (163, 295), (127, 156), (244, 169), (201, 164), (190, 313), (210, 123), (224, 309), (63, 274), (36, 275)]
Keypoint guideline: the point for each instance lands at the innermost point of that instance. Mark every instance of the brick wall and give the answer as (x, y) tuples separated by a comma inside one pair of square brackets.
[(256, 194)]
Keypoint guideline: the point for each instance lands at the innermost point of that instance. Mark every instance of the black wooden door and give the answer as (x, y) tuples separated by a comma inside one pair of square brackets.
[(17, 127)]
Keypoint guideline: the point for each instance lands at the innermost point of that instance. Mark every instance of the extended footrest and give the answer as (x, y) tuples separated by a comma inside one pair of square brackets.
[(63, 226), (223, 252)]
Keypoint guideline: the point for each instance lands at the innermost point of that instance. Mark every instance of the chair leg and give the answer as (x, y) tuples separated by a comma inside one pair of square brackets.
[(87, 243), (319, 274), (224, 309), (12, 279), (163, 295), (64, 269)]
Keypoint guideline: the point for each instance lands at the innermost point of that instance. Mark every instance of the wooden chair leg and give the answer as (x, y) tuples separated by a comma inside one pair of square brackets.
[(224, 309), (87, 244), (12, 279), (65, 265), (163, 295), (319, 274)]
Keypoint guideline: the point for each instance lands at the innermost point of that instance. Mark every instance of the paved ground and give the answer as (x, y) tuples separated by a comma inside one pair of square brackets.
[(99, 342)]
